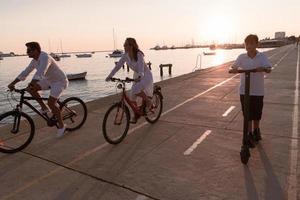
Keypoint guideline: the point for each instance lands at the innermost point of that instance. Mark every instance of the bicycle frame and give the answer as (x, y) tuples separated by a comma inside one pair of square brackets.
[(126, 99), (24, 100)]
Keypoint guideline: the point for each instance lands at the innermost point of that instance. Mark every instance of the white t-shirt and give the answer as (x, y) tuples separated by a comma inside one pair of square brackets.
[(46, 68), (257, 78)]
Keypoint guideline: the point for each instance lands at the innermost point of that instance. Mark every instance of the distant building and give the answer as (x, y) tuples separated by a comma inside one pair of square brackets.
[(271, 43), (279, 35)]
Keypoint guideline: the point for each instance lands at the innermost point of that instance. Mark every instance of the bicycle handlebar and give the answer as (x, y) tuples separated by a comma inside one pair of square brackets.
[(126, 80), (246, 70), (18, 90)]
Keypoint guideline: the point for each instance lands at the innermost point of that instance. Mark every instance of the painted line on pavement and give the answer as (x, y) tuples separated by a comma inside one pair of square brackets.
[(226, 113), (141, 197), (292, 178), (198, 95), (194, 146), (275, 65)]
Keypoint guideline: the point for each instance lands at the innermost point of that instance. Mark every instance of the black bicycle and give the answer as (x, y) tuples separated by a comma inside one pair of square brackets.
[(17, 128)]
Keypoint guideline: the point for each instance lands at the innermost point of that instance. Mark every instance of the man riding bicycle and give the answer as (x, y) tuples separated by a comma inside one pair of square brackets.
[(48, 76)]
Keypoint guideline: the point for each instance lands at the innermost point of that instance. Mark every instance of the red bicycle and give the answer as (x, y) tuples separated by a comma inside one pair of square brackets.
[(117, 118)]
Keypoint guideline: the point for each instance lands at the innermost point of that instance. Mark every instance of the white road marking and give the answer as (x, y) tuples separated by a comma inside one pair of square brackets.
[(226, 113), (282, 58), (292, 179), (194, 146), (141, 197), (198, 95)]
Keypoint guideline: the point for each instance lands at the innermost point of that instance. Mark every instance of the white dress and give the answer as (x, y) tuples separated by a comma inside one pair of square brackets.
[(141, 69)]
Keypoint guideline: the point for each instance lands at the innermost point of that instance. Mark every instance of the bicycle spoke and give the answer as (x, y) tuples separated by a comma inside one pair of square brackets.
[(116, 123), (74, 113), (153, 114), (15, 134)]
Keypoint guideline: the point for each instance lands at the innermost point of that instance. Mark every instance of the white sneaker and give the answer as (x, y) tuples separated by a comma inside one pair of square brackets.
[(61, 132)]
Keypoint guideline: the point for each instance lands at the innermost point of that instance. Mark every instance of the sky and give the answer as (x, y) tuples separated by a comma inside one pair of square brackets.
[(84, 25)]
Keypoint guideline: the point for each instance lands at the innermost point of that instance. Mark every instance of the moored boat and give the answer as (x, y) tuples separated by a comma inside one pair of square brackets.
[(76, 76)]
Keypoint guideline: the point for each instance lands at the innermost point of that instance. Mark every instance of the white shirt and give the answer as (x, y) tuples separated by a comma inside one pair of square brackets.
[(257, 78), (46, 68), (139, 67)]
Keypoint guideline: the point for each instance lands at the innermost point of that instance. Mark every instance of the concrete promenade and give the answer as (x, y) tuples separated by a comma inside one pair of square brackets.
[(191, 153)]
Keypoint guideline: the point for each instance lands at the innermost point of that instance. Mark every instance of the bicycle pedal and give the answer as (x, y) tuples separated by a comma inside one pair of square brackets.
[(133, 122), (14, 131)]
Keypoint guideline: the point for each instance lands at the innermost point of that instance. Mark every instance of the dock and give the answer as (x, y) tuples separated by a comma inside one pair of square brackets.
[(191, 153)]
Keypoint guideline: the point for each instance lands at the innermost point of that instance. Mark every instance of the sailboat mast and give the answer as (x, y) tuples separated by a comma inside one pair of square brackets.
[(61, 47), (114, 39)]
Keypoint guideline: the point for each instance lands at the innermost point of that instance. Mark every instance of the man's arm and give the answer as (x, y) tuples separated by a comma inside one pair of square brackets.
[(234, 68), (11, 86), (42, 67), (22, 76)]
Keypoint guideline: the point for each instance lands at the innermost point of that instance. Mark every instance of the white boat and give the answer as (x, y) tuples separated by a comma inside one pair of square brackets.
[(116, 54), (84, 55), (209, 53), (77, 76)]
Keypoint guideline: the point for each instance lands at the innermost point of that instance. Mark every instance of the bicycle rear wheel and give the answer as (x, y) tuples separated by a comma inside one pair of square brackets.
[(116, 123), (16, 131), (154, 114), (74, 113)]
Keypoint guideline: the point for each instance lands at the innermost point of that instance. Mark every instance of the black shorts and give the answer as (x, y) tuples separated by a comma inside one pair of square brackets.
[(256, 106)]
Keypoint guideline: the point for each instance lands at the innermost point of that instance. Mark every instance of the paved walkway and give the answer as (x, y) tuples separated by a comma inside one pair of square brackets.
[(191, 153)]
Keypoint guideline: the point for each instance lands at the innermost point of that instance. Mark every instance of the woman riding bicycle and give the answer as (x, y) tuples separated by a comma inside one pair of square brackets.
[(134, 58)]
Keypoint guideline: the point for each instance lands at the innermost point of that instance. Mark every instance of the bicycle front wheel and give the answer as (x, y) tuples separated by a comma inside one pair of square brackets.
[(74, 113), (116, 123), (157, 105), (16, 131)]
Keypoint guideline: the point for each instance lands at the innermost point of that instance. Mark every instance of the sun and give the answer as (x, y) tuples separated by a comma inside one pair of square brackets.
[(218, 29)]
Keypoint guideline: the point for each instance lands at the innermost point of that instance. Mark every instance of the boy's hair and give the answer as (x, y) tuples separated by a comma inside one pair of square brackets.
[(33, 46), (251, 38)]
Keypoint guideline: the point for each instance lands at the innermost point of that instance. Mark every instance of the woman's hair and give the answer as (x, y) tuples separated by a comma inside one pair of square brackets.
[(135, 47)]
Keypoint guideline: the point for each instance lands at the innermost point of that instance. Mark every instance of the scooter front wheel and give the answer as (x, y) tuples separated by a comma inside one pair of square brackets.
[(245, 155)]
